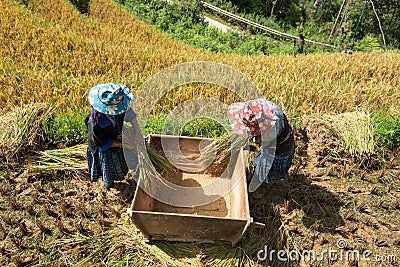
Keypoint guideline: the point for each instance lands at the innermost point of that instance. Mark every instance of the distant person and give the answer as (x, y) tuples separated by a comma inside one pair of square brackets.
[(109, 109), (268, 126), (300, 49)]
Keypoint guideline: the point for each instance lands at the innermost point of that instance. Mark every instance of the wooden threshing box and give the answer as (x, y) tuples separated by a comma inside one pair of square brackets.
[(224, 219)]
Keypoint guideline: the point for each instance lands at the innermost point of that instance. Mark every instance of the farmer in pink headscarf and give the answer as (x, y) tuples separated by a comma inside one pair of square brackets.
[(268, 126)]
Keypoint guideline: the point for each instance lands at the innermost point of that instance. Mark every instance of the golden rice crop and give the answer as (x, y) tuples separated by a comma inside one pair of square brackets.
[(49, 52)]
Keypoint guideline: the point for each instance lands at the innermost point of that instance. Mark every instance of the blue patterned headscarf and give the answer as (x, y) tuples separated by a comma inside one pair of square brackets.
[(110, 98)]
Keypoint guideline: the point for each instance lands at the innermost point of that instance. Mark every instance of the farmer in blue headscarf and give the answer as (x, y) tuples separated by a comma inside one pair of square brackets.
[(110, 107), (268, 126)]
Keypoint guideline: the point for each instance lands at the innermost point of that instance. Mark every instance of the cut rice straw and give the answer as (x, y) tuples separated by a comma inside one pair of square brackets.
[(66, 159), (74, 159), (223, 147), (160, 163), (153, 168), (354, 129), (26, 130)]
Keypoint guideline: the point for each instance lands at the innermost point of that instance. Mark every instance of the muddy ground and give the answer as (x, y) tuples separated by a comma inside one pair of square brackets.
[(331, 204)]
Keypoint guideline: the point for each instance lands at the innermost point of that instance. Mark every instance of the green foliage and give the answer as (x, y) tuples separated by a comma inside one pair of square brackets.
[(163, 14), (183, 21), (317, 18), (23, 2), (66, 129), (387, 129), (368, 43), (200, 127), (203, 127), (388, 12), (81, 5), (154, 124)]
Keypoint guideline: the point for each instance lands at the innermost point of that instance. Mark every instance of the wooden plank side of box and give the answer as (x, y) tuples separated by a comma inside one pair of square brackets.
[(189, 228), (166, 225)]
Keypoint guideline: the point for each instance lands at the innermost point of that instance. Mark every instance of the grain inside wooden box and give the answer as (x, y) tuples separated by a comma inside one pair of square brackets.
[(223, 220)]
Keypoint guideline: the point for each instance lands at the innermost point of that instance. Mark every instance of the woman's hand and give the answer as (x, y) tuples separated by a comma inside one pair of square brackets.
[(116, 144)]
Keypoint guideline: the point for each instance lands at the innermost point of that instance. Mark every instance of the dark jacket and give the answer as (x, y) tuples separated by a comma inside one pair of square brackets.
[(103, 129)]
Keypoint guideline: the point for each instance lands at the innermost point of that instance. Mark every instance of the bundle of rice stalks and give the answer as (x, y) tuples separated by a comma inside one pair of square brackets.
[(161, 163), (224, 147), (154, 168), (66, 159), (5, 124), (74, 159), (5, 130), (26, 129), (355, 131)]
